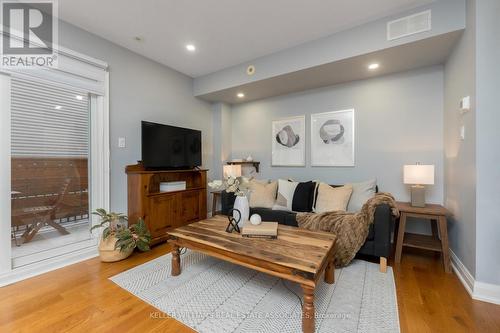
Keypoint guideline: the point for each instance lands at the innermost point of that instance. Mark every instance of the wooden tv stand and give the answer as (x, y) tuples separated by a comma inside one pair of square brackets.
[(164, 211)]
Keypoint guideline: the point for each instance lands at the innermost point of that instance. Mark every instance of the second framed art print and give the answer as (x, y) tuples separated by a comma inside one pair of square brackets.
[(332, 138)]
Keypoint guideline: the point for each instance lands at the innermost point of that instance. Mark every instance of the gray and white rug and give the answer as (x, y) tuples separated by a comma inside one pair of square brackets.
[(212, 295)]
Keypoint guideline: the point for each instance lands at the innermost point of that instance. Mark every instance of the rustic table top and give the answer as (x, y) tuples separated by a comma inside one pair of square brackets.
[(429, 209), (294, 248)]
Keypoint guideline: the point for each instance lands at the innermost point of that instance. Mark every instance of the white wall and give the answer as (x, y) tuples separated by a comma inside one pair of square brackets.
[(447, 16), (140, 89), (399, 120), (460, 155)]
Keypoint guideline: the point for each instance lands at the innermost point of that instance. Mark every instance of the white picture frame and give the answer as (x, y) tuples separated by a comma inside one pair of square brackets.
[(332, 138), (288, 141)]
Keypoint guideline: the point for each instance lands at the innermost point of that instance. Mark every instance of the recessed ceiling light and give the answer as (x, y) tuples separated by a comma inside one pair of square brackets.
[(373, 66), (58, 107), (190, 47), (240, 95), (79, 97)]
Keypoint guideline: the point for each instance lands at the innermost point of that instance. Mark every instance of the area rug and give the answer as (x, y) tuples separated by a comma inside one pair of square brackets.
[(212, 295)]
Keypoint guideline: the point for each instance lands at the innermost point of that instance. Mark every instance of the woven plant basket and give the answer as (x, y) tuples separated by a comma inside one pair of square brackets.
[(108, 253)]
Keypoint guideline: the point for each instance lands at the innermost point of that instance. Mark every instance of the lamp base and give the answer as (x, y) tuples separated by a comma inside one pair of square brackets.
[(418, 196)]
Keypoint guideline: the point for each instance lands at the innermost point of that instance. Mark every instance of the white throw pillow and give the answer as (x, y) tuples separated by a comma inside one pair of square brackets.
[(361, 192), (332, 198), (284, 199), (262, 195)]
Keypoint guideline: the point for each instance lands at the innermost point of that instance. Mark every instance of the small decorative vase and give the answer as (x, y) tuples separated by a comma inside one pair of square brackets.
[(107, 250), (241, 204)]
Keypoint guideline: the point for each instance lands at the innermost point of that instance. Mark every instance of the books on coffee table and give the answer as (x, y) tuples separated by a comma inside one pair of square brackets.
[(263, 230)]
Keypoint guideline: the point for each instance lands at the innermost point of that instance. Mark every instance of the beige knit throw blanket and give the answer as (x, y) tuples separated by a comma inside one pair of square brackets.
[(351, 228)]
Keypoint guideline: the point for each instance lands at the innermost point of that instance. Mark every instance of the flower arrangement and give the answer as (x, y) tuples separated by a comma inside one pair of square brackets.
[(230, 185)]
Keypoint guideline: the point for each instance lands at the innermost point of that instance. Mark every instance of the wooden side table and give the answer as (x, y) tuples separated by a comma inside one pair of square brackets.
[(215, 195), (438, 242)]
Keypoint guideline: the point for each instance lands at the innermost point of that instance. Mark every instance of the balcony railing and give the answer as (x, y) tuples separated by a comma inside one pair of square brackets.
[(48, 192)]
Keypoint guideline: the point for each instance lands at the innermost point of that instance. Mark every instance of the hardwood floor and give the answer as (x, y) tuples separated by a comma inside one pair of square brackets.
[(430, 300), (80, 298)]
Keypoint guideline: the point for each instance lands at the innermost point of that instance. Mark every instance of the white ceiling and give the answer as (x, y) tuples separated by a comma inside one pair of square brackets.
[(225, 32)]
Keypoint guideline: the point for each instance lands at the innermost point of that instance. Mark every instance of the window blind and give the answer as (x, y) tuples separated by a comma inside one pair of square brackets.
[(48, 119)]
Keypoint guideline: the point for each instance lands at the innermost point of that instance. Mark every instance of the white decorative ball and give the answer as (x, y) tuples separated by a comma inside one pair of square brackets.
[(255, 219)]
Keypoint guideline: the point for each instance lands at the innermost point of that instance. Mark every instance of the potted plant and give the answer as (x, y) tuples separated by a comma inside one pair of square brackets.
[(118, 241)]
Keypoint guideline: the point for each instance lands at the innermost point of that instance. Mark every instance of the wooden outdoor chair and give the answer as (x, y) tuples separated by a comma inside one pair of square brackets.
[(36, 217)]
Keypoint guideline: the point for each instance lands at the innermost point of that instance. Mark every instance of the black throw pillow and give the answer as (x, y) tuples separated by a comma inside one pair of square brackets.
[(303, 197)]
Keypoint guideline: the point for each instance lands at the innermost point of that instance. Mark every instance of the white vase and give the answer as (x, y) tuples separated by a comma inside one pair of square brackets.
[(241, 204)]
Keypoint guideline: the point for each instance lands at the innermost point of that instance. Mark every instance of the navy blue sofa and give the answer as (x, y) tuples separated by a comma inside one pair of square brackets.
[(377, 244)]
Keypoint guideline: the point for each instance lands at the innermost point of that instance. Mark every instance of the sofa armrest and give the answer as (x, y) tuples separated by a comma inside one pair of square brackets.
[(383, 225)]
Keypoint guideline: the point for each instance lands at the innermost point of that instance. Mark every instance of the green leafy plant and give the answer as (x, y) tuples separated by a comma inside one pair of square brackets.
[(111, 222), (137, 235)]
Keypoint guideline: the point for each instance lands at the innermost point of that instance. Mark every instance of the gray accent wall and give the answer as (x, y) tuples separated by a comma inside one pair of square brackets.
[(488, 139), (140, 89), (399, 120), (222, 118), (471, 165), (460, 155)]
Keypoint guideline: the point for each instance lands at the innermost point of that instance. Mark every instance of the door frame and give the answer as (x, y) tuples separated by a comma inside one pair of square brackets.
[(99, 186)]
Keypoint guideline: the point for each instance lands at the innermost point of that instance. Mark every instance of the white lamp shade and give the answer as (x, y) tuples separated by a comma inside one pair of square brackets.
[(419, 174), (232, 171)]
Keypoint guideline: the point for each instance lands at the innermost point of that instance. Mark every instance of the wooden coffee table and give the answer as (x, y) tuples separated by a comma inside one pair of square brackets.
[(297, 255)]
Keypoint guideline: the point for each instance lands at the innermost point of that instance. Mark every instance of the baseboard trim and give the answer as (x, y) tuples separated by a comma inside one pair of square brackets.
[(48, 265), (487, 292), (462, 273), (478, 290)]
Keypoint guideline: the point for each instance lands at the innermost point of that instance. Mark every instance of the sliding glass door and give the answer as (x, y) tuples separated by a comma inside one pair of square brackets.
[(50, 169)]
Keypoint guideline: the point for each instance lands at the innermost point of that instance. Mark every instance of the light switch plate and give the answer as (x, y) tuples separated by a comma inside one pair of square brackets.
[(121, 143), (465, 104)]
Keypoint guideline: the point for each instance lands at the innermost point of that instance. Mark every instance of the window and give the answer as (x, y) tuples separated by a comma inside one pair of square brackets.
[(48, 120), (50, 127)]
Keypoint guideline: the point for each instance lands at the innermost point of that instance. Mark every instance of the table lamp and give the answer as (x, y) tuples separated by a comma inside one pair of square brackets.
[(232, 171), (417, 176)]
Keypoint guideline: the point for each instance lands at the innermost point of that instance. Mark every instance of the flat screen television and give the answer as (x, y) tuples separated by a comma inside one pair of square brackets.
[(170, 147)]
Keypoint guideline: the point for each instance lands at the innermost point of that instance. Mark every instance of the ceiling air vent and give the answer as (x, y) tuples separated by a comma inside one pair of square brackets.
[(409, 25)]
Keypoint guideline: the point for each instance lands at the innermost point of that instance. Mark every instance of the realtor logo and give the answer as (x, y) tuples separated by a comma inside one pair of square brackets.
[(29, 33)]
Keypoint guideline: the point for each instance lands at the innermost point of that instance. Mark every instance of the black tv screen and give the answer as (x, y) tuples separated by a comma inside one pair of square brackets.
[(170, 147)]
